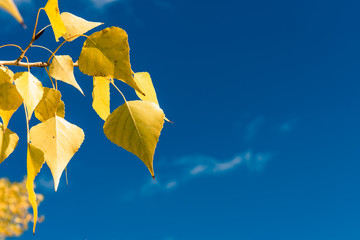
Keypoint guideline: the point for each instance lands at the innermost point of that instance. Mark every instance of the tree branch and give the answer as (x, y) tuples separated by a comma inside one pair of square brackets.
[(32, 64)]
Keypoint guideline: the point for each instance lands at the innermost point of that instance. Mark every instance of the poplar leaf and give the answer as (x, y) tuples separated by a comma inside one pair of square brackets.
[(35, 161), (76, 25), (6, 74), (59, 140), (101, 97), (11, 8), (136, 126), (31, 90), (106, 54), (61, 110), (8, 142), (10, 100), (52, 11), (143, 79), (48, 105), (62, 68)]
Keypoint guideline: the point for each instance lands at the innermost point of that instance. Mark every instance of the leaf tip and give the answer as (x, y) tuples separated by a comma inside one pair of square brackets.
[(153, 176)]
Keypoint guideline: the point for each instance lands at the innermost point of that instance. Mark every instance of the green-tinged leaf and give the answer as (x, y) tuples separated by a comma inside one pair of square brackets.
[(8, 142), (106, 54), (11, 8), (136, 126), (61, 110), (6, 74), (101, 97), (35, 160), (30, 89), (62, 68), (59, 140), (76, 25), (10, 101), (48, 105), (53, 13), (143, 79)]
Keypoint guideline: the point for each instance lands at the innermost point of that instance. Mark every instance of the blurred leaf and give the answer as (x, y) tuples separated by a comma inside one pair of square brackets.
[(61, 109), (136, 126), (10, 6)]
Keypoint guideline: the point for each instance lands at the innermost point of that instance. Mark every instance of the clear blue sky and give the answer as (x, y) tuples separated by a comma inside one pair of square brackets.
[(265, 100)]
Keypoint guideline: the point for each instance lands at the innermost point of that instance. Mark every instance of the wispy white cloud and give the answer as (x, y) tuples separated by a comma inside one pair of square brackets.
[(188, 168)]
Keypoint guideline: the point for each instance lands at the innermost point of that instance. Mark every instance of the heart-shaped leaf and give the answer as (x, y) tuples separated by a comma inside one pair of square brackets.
[(59, 140), (106, 54), (136, 126)]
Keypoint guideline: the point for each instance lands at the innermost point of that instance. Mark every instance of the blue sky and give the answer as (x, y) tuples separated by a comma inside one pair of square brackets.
[(264, 96)]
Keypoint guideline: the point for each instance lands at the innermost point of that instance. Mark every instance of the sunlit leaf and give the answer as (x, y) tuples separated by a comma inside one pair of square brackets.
[(101, 97), (76, 25), (106, 54), (62, 68), (48, 105), (10, 100), (30, 88), (143, 79), (35, 160), (136, 126), (53, 13), (8, 142), (59, 140), (10, 6)]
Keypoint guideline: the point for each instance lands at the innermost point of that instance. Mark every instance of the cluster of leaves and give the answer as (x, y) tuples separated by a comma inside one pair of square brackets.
[(134, 126), (14, 208)]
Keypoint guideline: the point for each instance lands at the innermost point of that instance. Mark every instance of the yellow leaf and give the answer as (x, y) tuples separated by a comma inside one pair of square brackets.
[(10, 6), (61, 109), (62, 68), (76, 25), (48, 105), (106, 54), (59, 140), (35, 160), (31, 90), (52, 10), (6, 74), (8, 142), (143, 79), (10, 101), (136, 126), (101, 97)]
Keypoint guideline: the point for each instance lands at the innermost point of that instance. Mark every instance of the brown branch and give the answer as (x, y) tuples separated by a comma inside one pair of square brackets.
[(32, 64)]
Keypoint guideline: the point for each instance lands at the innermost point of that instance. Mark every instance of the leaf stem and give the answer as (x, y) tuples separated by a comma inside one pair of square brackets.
[(36, 22), (112, 82), (47, 71), (38, 46), (66, 40), (11, 45)]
